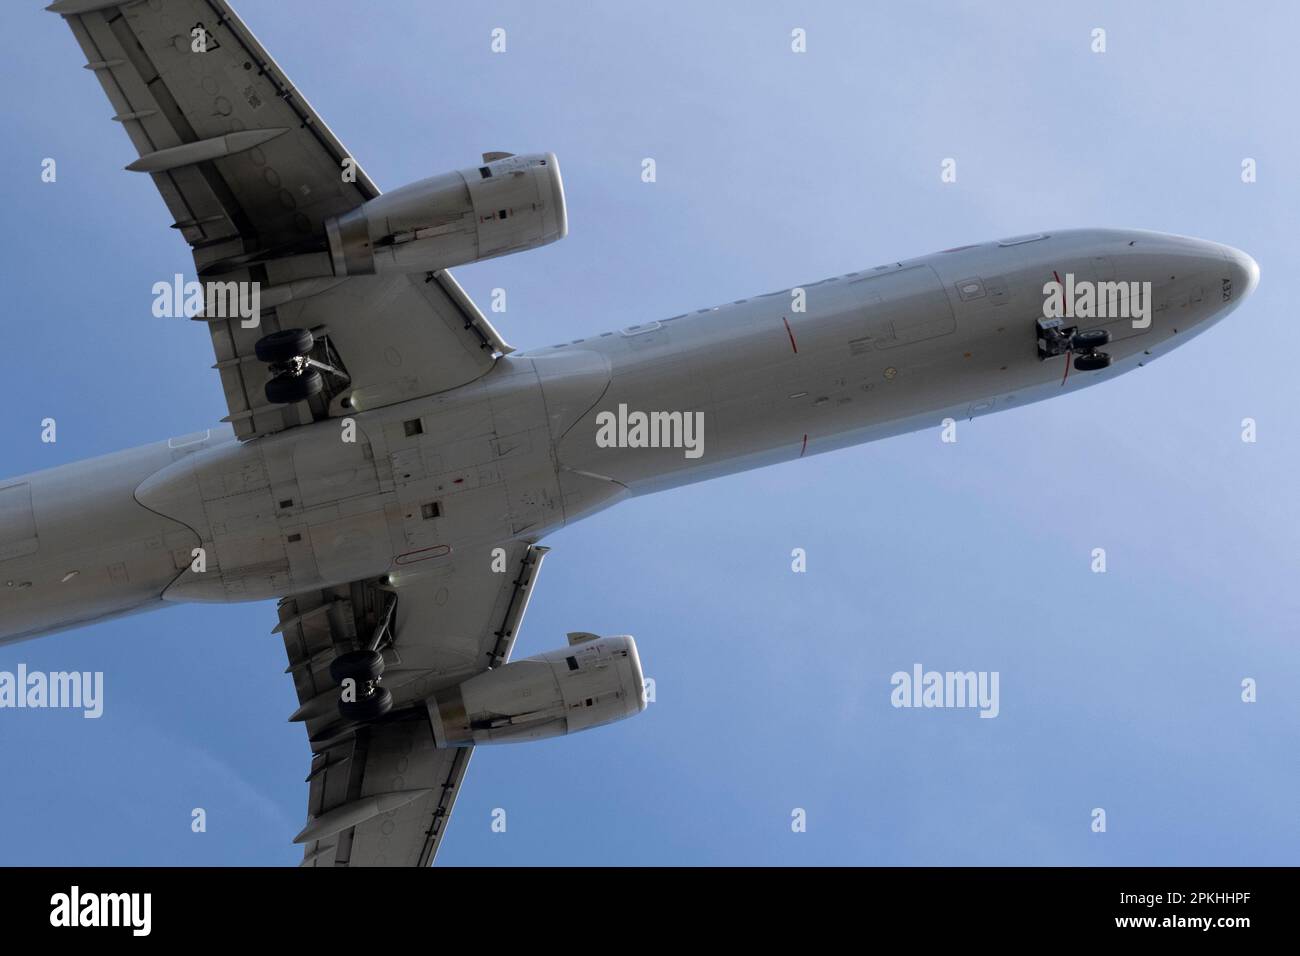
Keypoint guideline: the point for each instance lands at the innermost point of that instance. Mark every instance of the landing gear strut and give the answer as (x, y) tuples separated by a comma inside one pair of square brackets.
[(1056, 338)]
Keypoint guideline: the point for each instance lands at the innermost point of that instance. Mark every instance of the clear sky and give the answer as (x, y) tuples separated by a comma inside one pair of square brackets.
[(1119, 691)]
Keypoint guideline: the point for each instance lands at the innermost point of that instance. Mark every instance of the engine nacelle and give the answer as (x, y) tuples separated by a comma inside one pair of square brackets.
[(503, 206), (596, 681)]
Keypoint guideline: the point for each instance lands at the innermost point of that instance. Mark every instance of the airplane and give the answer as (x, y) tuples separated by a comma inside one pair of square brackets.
[(390, 465)]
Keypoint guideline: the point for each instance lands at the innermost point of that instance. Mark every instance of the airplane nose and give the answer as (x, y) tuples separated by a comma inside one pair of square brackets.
[(1244, 271)]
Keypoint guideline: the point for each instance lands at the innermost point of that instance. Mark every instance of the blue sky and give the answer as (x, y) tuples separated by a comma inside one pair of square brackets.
[(1119, 690)]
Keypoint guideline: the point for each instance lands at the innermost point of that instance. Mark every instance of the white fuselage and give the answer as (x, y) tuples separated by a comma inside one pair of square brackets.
[(526, 448)]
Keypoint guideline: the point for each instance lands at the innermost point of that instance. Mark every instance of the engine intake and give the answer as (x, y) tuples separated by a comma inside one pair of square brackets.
[(506, 205), (596, 681)]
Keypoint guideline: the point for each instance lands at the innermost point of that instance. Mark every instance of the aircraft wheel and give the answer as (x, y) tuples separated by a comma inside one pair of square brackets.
[(1090, 340), (367, 708), (362, 666), (280, 347), (1091, 362), (287, 388)]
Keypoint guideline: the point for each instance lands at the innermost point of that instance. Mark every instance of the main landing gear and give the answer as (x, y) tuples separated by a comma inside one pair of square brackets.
[(1056, 338), (295, 376), (365, 669)]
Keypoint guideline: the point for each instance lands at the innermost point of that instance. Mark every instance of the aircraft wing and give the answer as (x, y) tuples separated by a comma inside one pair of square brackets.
[(381, 793), (248, 170)]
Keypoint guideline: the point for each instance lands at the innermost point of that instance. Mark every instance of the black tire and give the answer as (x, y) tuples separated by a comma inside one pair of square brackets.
[(1090, 340), (361, 666), (287, 389), (1091, 362), (367, 708), (284, 345)]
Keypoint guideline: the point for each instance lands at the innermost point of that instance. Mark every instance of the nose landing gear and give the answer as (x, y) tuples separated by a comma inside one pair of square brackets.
[(1055, 338)]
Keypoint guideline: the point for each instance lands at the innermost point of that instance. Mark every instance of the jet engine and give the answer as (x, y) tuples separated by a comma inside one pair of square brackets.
[(506, 205), (594, 681)]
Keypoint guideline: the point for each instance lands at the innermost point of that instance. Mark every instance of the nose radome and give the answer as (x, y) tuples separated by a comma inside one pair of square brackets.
[(1245, 271), (1209, 258)]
